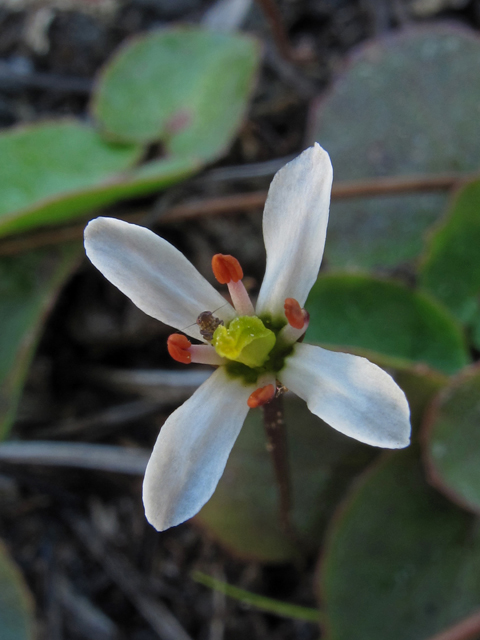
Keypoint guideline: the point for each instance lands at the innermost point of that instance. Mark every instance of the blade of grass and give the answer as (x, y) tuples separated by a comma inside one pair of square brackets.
[(269, 605)]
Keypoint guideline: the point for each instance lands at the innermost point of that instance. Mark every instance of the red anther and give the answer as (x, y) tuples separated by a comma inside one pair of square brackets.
[(178, 347), (294, 313), (226, 268), (261, 396)]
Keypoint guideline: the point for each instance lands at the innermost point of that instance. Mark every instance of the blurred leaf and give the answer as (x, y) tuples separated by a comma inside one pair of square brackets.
[(185, 86), (384, 318), (243, 512), (29, 284), (59, 170), (275, 607), (420, 385), (54, 158), (452, 440), (400, 561), (451, 267), (16, 604), (407, 104)]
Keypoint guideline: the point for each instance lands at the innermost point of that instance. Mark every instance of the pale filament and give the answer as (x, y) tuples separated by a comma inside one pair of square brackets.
[(290, 335), (227, 270), (266, 379), (240, 298), (206, 354)]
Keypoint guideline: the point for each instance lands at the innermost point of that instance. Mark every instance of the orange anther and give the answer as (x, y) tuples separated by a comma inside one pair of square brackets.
[(294, 313), (226, 268), (261, 396), (178, 347)]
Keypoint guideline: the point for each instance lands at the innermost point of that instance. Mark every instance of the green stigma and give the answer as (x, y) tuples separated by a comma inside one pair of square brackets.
[(246, 340)]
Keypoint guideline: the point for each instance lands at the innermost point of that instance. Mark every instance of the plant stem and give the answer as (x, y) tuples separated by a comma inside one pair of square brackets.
[(277, 26), (269, 605), (274, 422)]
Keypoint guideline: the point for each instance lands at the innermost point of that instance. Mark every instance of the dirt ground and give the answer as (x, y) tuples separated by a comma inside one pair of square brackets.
[(96, 568)]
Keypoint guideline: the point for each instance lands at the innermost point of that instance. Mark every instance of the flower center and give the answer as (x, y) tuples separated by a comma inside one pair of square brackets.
[(251, 348), (246, 340)]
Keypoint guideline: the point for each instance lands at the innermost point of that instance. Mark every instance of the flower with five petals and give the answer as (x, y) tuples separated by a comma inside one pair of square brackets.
[(252, 347)]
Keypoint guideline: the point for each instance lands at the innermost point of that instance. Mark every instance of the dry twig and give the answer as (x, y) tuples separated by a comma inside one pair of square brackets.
[(244, 202)]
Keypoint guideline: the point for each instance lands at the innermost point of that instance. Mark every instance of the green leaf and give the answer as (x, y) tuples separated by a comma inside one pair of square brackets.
[(54, 158), (243, 513), (384, 320), (185, 86), (420, 385), (451, 266), (29, 284), (400, 561), (452, 440), (58, 170), (16, 603), (406, 105)]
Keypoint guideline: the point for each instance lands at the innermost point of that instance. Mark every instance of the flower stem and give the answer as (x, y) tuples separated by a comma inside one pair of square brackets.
[(274, 422)]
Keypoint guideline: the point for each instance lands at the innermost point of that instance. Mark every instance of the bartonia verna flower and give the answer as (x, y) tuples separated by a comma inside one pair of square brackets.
[(255, 349)]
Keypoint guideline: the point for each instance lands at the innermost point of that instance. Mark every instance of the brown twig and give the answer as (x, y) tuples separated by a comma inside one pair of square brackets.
[(340, 191), (274, 423), (214, 206), (467, 629), (399, 184), (279, 32), (245, 202)]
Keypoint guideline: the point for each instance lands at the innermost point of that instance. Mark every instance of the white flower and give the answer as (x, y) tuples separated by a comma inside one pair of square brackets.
[(350, 393)]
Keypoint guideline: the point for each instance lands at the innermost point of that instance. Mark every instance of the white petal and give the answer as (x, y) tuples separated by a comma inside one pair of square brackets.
[(153, 274), (351, 394), (294, 228), (192, 450)]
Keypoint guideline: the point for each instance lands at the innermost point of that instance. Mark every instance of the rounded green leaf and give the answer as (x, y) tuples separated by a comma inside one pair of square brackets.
[(29, 284), (45, 160), (406, 105), (185, 86), (452, 440), (451, 266), (384, 320), (61, 207), (57, 170), (400, 561), (243, 513), (16, 603)]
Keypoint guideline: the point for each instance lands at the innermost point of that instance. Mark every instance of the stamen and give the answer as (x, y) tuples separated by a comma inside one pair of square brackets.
[(298, 320), (182, 350), (294, 313), (206, 354), (178, 347), (240, 298), (226, 269), (261, 396)]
